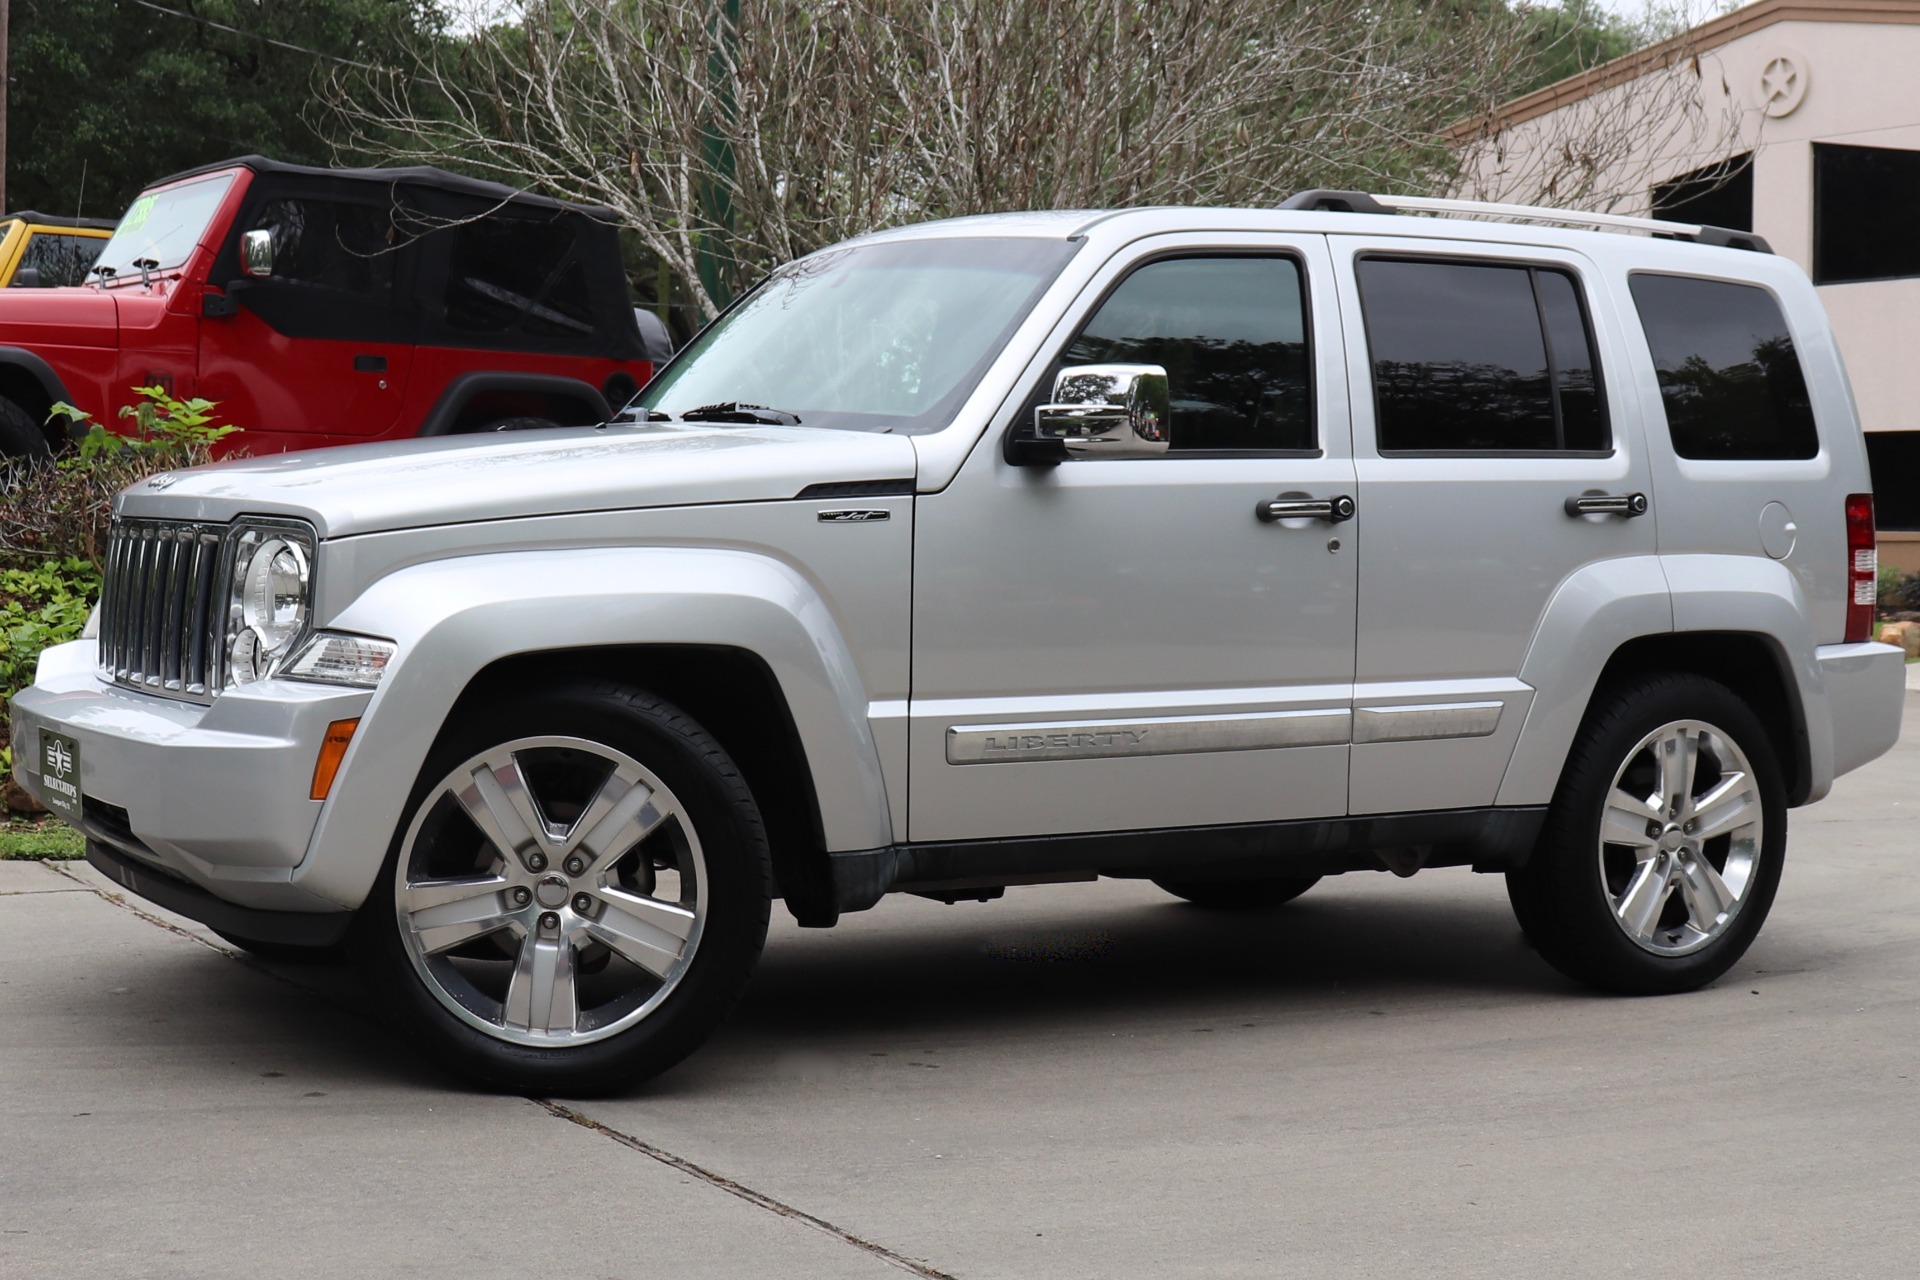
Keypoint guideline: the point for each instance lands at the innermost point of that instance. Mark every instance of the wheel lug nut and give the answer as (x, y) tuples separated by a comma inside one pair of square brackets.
[(550, 921), (1653, 831), (536, 862), (521, 897), (1689, 827), (575, 866), (582, 903)]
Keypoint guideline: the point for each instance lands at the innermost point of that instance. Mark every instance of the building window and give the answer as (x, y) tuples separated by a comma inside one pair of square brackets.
[(1894, 457), (1863, 213), (1476, 356), (1729, 376), (1719, 195)]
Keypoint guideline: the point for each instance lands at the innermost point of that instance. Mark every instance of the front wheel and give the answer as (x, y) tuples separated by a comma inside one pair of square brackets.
[(1663, 847), (577, 896)]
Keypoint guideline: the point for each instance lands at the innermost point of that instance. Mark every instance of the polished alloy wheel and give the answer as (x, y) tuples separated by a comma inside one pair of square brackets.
[(1680, 837), (551, 892)]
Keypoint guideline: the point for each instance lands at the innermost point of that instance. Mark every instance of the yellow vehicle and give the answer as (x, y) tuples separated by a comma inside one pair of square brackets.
[(39, 250)]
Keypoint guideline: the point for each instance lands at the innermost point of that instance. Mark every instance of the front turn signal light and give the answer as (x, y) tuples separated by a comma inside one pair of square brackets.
[(332, 748)]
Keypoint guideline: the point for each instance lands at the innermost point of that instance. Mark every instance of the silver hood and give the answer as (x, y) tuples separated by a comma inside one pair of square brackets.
[(455, 479)]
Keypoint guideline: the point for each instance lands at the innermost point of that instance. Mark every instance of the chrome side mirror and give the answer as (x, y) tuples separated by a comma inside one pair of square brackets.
[(1108, 411), (256, 253)]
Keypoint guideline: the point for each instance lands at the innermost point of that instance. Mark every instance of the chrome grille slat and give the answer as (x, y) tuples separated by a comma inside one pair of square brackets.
[(160, 621)]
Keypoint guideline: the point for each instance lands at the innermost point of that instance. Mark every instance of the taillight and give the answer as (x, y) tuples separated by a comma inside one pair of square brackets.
[(1863, 568)]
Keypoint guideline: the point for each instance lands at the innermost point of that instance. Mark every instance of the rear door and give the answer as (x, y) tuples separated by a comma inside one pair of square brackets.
[(1481, 412)]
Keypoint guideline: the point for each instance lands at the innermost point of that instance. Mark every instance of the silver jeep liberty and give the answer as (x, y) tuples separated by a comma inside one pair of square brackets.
[(1225, 548)]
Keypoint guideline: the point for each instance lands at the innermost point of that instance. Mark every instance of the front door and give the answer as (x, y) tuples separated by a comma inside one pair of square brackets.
[(1482, 411), (318, 352), (1112, 644)]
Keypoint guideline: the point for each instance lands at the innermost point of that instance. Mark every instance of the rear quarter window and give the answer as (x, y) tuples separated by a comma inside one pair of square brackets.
[(1729, 375)]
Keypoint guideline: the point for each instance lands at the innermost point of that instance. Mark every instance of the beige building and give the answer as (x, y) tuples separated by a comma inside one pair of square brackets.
[(1795, 119)]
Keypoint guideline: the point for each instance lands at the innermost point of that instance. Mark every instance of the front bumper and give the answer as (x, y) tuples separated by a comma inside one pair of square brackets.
[(216, 796)]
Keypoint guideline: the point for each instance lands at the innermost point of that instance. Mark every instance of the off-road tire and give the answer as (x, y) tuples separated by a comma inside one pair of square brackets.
[(20, 435), (1561, 897)]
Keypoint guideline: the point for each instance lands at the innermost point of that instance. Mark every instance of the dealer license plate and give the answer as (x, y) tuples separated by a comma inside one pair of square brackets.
[(60, 775)]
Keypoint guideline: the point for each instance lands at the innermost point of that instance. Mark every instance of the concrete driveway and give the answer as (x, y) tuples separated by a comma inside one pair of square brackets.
[(1088, 1080)]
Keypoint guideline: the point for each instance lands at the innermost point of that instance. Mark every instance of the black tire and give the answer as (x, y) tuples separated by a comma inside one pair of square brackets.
[(1566, 894), (732, 846), (286, 952), (1238, 895), (20, 435)]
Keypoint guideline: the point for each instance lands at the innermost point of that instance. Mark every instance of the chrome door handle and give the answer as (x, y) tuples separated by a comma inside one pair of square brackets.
[(1332, 510), (1624, 505)]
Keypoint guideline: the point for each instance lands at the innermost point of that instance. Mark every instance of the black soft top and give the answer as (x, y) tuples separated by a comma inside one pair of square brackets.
[(419, 176)]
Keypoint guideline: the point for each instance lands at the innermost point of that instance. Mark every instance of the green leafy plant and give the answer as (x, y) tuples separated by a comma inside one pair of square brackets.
[(54, 520), (1898, 590), (163, 427)]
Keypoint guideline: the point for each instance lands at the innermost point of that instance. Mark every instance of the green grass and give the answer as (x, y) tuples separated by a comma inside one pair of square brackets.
[(25, 840)]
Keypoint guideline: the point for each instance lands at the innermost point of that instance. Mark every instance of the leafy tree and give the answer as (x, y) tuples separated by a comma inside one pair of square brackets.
[(130, 94), (1573, 36)]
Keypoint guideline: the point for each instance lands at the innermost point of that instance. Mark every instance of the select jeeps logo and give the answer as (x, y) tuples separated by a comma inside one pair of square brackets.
[(1081, 739)]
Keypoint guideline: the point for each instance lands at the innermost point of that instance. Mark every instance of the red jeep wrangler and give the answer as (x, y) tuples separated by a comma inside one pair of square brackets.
[(331, 306)]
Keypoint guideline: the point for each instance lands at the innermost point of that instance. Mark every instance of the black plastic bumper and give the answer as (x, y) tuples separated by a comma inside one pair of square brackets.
[(298, 928)]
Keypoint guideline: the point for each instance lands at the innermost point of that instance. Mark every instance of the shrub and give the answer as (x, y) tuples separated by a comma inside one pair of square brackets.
[(54, 518), (1898, 591)]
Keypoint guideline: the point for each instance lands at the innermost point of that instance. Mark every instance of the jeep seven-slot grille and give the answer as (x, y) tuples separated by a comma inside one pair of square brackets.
[(159, 615)]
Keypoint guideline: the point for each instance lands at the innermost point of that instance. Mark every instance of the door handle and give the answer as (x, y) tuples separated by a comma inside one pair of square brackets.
[(1332, 510), (1624, 505)]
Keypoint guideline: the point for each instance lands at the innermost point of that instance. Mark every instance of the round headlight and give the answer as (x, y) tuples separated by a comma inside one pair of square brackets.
[(273, 599)]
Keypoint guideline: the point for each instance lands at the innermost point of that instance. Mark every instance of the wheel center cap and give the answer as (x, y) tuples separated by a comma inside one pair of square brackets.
[(551, 892), (1671, 839)]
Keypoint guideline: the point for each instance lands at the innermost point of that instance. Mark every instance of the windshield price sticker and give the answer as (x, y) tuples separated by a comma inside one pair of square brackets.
[(60, 774)]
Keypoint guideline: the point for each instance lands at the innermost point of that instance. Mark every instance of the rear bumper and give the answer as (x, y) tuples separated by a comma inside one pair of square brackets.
[(215, 797), (1865, 687)]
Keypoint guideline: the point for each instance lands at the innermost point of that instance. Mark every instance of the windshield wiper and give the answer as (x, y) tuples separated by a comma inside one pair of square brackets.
[(750, 414)]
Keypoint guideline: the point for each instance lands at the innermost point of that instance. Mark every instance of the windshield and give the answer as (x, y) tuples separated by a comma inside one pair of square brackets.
[(883, 337), (164, 225)]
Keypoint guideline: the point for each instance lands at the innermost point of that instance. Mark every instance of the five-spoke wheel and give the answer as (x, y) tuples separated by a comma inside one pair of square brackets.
[(577, 896), (1663, 846)]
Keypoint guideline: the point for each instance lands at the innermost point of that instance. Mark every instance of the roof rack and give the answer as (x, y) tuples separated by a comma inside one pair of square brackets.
[(1361, 202)]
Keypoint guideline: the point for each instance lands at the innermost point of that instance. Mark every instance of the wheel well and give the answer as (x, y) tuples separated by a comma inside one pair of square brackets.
[(735, 697), (21, 387), (492, 406), (1750, 665)]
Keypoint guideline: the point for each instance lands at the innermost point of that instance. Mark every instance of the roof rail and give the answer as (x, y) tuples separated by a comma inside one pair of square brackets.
[(1361, 202)]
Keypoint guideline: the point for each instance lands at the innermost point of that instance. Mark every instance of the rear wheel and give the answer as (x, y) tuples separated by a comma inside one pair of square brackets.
[(577, 897), (1663, 848), (1247, 894)]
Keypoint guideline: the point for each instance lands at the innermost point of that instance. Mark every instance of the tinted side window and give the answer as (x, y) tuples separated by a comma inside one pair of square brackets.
[(61, 260), (1729, 375), (1479, 356), (518, 275), (1231, 333), (331, 243)]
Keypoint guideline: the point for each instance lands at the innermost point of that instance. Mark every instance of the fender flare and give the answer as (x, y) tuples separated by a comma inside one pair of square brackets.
[(1604, 606), (462, 390), (39, 370), (1598, 608), (453, 618)]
